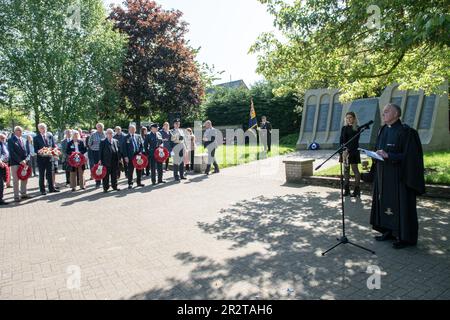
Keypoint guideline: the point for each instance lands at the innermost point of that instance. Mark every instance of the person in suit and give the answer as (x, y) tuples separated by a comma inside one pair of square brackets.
[(19, 153), (152, 142), (33, 155), (120, 137), (4, 159), (209, 141), (178, 147), (167, 138), (265, 133), (76, 174), (45, 166), (110, 157), (64, 143), (144, 133), (94, 147), (4, 140), (132, 146)]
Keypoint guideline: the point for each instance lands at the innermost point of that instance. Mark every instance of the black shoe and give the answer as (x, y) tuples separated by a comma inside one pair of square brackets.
[(207, 173), (177, 179), (153, 183), (216, 171), (130, 186), (401, 244), (3, 203), (43, 193), (386, 236), (54, 191), (162, 181), (26, 197), (141, 185), (356, 192), (346, 191), (183, 178), (105, 191), (116, 189)]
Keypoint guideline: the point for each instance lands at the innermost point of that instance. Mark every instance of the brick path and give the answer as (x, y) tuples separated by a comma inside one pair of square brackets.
[(239, 234)]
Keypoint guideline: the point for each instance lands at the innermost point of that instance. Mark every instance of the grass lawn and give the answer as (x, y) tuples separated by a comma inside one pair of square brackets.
[(228, 156), (437, 168)]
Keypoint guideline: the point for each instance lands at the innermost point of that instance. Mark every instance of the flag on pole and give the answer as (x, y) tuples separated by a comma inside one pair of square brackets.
[(253, 122)]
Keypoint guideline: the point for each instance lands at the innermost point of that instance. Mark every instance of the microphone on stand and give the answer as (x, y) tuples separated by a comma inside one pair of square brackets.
[(366, 125)]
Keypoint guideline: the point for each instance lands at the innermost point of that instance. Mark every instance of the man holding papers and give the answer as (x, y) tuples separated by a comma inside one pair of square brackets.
[(399, 178)]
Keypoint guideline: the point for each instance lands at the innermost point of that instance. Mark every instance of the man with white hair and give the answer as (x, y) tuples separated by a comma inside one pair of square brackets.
[(110, 157), (209, 141), (94, 146), (4, 158), (42, 140), (19, 153), (398, 179)]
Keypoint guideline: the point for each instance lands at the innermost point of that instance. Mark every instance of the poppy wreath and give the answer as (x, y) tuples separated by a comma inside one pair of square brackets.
[(98, 172), (24, 171), (140, 161), (161, 154), (76, 159), (7, 176)]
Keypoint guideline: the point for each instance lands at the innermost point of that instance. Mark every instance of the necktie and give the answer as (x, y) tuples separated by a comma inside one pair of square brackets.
[(134, 144), (21, 143), (45, 140)]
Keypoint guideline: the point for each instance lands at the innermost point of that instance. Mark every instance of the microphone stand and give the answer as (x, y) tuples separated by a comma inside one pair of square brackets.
[(343, 239)]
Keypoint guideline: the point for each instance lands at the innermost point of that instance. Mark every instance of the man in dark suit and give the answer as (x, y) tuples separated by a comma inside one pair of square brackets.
[(151, 143), (265, 133), (132, 145), (41, 140), (120, 137), (4, 159), (64, 143), (19, 153), (110, 157)]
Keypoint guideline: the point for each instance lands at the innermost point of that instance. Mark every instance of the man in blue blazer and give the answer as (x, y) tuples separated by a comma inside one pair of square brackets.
[(19, 153), (132, 145), (41, 140), (152, 142)]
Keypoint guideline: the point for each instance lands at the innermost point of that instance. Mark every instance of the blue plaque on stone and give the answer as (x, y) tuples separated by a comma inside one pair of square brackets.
[(397, 101), (310, 115), (426, 115), (323, 117), (366, 110), (410, 110), (336, 117)]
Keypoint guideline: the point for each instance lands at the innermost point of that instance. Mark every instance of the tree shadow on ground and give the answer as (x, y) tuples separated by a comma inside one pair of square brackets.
[(293, 230)]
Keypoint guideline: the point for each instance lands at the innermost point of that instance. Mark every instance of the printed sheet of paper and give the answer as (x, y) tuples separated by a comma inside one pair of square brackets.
[(372, 154)]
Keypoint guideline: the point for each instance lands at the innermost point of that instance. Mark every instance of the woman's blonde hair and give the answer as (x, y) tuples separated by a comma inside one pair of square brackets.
[(355, 122)]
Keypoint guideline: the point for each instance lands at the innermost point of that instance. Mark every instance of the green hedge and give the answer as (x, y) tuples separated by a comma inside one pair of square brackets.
[(232, 107)]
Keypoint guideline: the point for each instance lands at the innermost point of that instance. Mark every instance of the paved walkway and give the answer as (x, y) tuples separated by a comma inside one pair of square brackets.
[(240, 234)]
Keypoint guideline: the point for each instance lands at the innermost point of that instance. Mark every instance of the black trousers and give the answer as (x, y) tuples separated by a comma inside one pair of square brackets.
[(111, 175), (45, 167), (212, 159), (156, 166), (178, 169), (96, 159), (2, 183), (130, 171)]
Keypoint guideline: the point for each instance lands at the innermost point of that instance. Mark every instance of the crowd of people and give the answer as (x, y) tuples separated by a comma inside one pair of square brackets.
[(108, 148)]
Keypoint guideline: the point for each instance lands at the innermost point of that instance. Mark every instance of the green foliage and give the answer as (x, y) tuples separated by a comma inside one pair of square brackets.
[(227, 106), (66, 72), (437, 168), (356, 45)]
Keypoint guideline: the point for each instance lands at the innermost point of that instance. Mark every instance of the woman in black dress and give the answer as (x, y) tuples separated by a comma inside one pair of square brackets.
[(350, 156)]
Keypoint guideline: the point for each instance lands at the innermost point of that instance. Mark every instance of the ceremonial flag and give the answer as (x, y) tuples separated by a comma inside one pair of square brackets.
[(253, 122)]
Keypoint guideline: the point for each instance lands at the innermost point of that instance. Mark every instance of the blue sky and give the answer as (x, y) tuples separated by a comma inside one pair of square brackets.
[(225, 30)]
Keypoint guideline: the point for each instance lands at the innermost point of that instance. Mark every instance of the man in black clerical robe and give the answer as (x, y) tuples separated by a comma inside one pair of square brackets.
[(397, 181)]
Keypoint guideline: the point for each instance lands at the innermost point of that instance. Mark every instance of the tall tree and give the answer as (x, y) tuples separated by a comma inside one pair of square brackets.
[(61, 54), (356, 45), (159, 72)]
